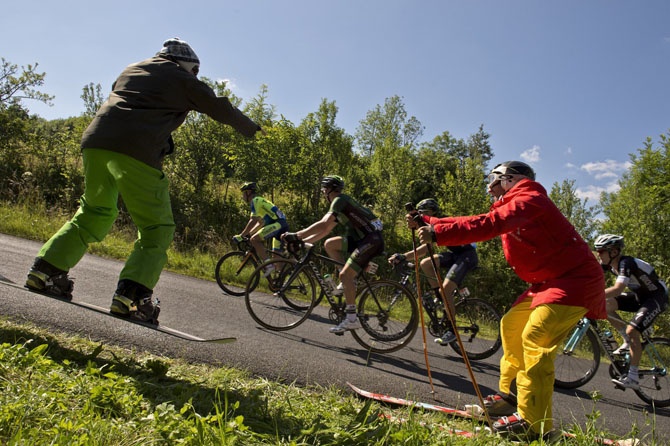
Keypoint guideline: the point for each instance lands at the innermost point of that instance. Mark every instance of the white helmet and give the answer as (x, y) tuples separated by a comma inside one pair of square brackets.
[(509, 171), (608, 241)]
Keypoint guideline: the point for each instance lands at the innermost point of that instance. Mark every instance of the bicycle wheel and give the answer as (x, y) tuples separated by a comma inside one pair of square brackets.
[(290, 305), (389, 316), (653, 373), (233, 271), (478, 324), (575, 367)]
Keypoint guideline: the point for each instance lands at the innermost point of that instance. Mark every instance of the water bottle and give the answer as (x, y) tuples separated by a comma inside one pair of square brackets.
[(328, 280)]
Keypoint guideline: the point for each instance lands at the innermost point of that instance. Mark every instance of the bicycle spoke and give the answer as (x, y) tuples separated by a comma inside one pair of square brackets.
[(478, 324), (233, 271), (577, 359), (389, 316), (290, 304), (653, 373)]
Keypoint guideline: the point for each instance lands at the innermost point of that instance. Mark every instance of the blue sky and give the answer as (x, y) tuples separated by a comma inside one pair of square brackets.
[(572, 87)]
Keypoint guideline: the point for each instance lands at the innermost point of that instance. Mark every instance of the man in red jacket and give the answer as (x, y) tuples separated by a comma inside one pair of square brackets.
[(567, 283)]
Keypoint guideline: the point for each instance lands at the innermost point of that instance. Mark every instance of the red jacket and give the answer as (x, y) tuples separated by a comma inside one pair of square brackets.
[(539, 243)]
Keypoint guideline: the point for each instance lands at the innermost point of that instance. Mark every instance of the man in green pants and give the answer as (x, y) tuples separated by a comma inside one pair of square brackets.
[(123, 149)]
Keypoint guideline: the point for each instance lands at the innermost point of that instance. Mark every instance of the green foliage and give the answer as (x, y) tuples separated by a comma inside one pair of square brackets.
[(93, 98), (640, 210), (70, 391), (16, 87), (581, 216)]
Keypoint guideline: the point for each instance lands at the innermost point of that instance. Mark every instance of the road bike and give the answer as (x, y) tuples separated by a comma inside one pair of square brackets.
[(235, 268), (387, 310), (477, 321), (579, 358)]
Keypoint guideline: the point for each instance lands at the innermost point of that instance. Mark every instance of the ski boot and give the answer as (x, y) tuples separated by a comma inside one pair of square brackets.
[(135, 301), (45, 278)]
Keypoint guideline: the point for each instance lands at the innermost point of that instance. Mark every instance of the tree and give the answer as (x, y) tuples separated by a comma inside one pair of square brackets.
[(93, 98), (387, 124), (14, 89), (325, 149), (640, 210), (386, 139), (15, 122), (564, 195)]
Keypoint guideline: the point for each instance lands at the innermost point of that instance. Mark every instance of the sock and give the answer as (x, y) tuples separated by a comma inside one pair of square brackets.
[(351, 312), (632, 373)]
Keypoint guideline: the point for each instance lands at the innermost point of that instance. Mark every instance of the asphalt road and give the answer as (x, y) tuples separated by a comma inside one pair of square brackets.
[(305, 355)]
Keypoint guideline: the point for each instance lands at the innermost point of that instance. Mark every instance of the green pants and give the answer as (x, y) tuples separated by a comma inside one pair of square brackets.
[(145, 193)]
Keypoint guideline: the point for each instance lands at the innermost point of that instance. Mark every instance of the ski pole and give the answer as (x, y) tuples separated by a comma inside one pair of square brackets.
[(420, 302), (450, 313)]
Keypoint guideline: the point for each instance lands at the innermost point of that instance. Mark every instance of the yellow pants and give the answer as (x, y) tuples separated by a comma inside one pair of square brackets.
[(530, 339)]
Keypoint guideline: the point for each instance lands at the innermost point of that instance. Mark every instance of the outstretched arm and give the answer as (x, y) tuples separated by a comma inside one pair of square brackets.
[(318, 230)]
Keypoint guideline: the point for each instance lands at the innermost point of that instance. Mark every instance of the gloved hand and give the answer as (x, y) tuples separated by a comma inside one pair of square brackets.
[(238, 238), (427, 235), (290, 237), (396, 258)]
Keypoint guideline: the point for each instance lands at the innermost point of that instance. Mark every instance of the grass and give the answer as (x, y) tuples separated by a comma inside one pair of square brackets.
[(58, 389)]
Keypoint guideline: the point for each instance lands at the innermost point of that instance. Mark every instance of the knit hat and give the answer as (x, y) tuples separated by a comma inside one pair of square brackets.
[(179, 50)]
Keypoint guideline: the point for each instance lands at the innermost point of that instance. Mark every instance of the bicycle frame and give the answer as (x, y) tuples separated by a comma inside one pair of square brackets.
[(310, 259), (468, 326), (655, 366), (387, 310)]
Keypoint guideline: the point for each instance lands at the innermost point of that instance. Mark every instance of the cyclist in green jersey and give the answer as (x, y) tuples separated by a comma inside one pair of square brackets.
[(266, 221), (361, 242)]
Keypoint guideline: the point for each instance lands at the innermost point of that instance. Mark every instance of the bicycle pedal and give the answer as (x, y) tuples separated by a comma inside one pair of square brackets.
[(620, 387), (339, 334)]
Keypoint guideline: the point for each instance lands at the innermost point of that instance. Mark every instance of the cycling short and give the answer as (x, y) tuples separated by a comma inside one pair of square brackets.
[(274, 230), (458, 265), (645, 309), (364, 250)]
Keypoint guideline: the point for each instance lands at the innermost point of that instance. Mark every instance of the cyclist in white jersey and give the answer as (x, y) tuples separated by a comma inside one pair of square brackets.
[(647, 298)]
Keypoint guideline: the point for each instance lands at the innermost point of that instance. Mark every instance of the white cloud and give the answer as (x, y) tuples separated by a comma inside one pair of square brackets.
[(230, 83), (568, 151), (606, 169), (531, 155), (570, 166), (593, 192)]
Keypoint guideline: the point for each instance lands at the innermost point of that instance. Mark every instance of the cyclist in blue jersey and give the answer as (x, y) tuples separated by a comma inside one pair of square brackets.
[(266, 221), (647, 298), (361, 242), (458, 260)]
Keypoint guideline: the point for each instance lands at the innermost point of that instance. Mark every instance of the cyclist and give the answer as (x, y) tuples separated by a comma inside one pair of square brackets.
[(566, 283), (458, 260), (647, 298), (361, 242), (266, 221)]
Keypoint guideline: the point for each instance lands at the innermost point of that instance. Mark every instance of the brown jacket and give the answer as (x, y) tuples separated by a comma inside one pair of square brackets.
[(149, 100)]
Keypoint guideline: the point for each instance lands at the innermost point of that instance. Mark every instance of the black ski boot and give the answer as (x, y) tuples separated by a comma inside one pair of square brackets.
[(135, 301), (46, 278)]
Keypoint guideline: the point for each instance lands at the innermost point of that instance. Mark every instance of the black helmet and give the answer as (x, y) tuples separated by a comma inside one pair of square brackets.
[(334, 182), (514, 168), (608, 241), (428, 204), (249, 186)]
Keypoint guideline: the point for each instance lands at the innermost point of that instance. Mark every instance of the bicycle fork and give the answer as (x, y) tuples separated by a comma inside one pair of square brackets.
[(576, 336)]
